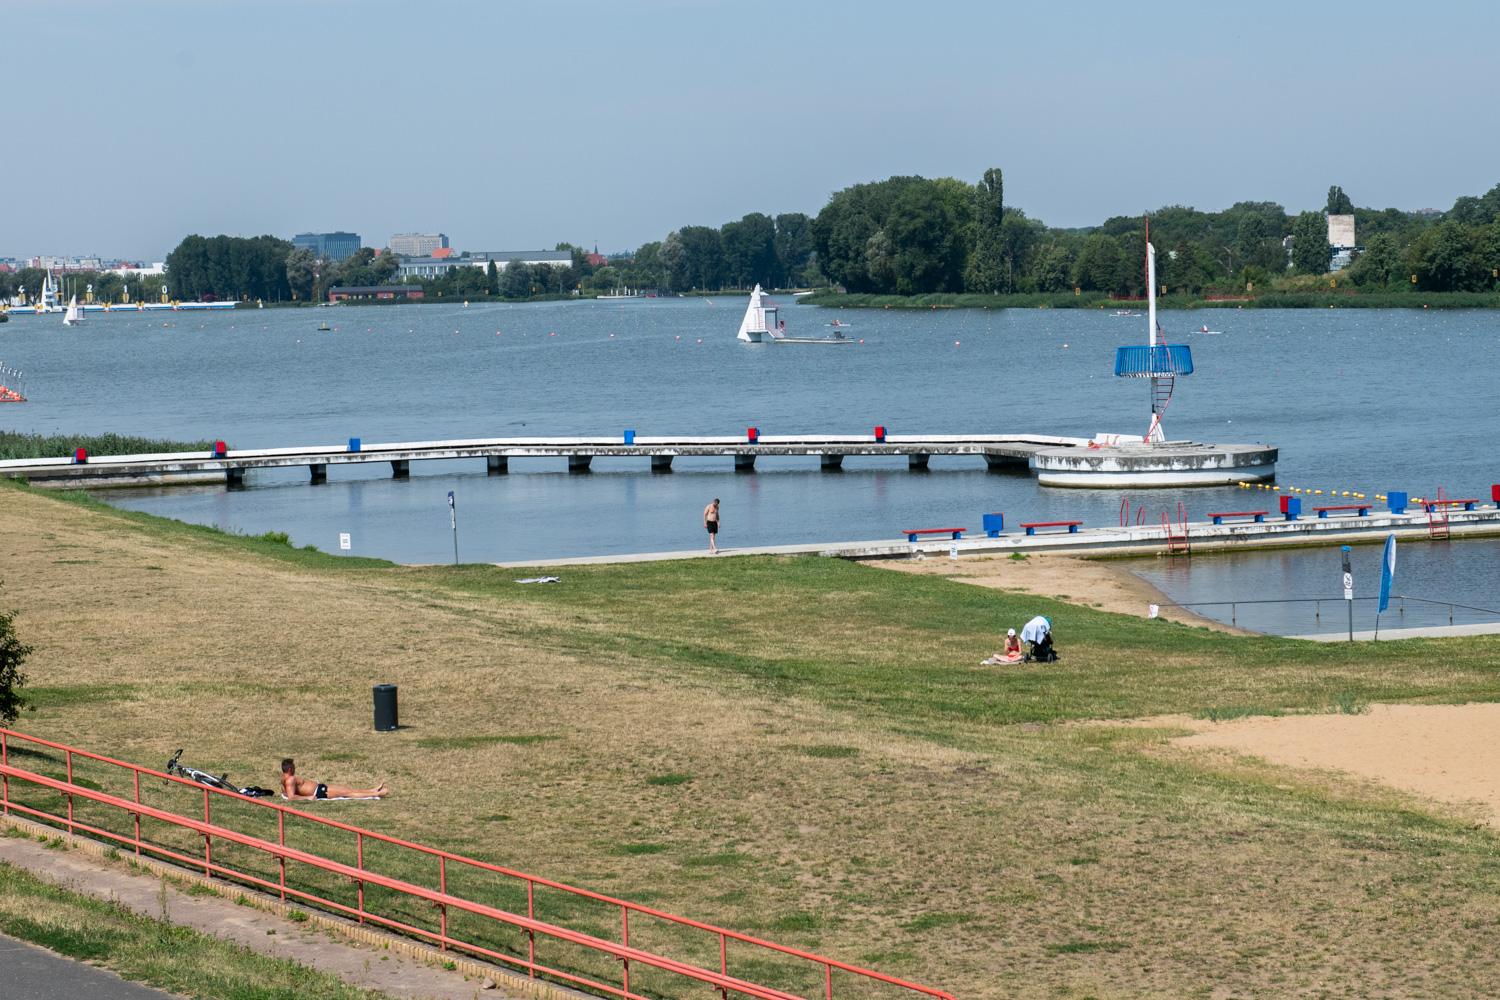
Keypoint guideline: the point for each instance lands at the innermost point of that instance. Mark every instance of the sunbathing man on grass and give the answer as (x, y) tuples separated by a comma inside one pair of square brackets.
[(294, 787)]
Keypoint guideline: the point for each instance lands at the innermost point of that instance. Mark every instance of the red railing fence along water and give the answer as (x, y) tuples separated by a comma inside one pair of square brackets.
[(582, 954)]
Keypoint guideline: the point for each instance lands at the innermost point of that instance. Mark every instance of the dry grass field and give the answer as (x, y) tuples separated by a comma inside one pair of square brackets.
[(799, 748)]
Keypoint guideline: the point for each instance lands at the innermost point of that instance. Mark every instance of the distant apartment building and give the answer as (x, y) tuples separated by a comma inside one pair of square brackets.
[(416, 244), (439, 263), (336, 245)]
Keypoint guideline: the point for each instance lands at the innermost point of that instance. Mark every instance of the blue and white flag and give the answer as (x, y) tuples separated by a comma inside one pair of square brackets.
[(1387, 571)]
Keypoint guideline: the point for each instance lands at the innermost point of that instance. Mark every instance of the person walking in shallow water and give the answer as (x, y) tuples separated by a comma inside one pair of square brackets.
[(711, 522)]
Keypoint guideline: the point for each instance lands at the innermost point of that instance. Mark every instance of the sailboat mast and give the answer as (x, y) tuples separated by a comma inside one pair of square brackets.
[(1155, 432)]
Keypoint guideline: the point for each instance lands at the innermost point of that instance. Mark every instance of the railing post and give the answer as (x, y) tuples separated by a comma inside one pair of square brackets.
[(281, 840), (531, 934), (827, 981), (1450, 614), (1231, 613), (70, 794), (5, 760), (137, 813), (443, 888), (625, 940), (724, 962), (208, 871), (359, 848)]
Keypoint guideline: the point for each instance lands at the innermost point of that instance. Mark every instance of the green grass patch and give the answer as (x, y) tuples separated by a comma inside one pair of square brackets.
[(723, 859), (472, 742), (631, 850), (669, 779), (828, 751), (928, 921), (1083, 947)]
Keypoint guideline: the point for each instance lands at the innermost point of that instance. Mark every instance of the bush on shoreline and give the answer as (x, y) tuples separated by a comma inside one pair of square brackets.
[(15, 444)]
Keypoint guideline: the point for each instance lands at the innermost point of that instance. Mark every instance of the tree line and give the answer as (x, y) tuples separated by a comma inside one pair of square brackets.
[(912, 236)]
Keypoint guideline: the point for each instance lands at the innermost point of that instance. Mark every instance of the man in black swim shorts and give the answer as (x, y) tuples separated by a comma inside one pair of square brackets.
[(711, 522), (293, 787)]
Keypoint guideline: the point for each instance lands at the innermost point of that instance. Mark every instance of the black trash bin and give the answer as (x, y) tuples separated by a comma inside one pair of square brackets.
[(385, 708)]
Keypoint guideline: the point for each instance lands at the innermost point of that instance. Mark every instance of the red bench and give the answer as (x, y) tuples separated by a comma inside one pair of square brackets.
[(1259, 515), (1465, 504), (1072, 526), (1363, 508), (911, 536)]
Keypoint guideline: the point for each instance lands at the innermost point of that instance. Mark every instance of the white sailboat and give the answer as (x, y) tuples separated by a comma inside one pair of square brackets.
[(760, 319), (73, 315)]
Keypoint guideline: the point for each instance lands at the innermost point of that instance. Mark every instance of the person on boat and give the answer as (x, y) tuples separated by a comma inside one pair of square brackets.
[(711, 522), (293, 787)]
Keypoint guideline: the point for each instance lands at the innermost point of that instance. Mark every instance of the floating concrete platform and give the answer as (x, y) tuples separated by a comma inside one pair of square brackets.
[(1170, 463), (1203, 536)]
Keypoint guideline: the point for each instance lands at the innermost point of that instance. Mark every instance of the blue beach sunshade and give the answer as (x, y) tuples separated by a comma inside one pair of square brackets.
[(1163, 359)]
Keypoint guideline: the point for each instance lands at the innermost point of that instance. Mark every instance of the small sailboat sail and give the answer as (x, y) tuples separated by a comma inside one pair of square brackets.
[(760, 319), (72, 316)]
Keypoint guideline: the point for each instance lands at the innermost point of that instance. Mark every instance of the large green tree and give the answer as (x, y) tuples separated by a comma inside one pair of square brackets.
[(749, 248), (1338, 202), (12, 655), (1310, 250), (985, 270)]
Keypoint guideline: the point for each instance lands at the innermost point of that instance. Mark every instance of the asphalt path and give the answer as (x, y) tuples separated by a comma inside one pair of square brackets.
[(32, 973)]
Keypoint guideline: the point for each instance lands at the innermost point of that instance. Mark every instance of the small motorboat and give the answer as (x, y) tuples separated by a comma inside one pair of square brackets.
[(1212, 333)]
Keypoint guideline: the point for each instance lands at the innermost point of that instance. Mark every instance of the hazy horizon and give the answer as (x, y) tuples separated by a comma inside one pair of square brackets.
[(509, 128)]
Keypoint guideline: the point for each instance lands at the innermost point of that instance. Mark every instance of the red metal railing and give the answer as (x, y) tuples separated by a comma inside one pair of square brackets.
[(439, 898)]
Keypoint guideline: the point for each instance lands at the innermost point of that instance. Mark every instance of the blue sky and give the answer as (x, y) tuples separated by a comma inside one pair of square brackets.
[(512, 125)]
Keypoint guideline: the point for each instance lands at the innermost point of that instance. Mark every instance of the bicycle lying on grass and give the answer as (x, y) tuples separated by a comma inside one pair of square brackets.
[(213, 781)]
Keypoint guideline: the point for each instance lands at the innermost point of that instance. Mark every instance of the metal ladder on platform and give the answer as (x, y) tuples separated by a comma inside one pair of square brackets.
[(1178, 542), (1437, 516)]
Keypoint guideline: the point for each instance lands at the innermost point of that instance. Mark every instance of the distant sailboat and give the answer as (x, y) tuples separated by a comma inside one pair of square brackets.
[(72, 316), (760, 319)]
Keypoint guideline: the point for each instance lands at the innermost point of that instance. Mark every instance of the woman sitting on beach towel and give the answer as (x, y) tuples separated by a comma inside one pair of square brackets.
[(1011, 653)]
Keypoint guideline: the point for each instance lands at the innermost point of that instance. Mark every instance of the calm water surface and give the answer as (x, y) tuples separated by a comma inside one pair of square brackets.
[(1360, 400)]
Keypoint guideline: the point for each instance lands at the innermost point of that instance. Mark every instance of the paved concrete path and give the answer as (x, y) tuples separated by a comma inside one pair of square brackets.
[(32, 973), (262, 932), (1431, 632)]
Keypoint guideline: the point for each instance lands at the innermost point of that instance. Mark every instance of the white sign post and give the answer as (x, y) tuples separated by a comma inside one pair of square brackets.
[(1349, 591), (344, 540)]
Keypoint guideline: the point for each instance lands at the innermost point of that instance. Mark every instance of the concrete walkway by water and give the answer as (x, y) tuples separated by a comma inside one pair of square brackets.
[(1430, 632), (32, 973)]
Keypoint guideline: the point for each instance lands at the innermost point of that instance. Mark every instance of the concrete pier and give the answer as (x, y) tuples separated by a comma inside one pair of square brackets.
[(1108, 541), (831, 450), (1170, 463)]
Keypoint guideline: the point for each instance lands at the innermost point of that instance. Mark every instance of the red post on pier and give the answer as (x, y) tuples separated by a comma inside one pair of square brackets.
[(80, 455), (752, 435), (220, 448), (880, 435)]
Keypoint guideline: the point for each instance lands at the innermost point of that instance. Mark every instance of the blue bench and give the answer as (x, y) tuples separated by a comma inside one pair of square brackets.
[(911, 536), (1072, 526), (1465, 504), (1363, 508), (1259, 515), (994, 524)]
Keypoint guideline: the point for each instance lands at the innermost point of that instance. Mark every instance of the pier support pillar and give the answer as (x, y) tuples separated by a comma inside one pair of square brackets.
[(235, 475), (997, 462), (661, 463), (833, 463), (917, 463), (744, 463), (579, 463), (400, 468), (319, 473), (498, 465)]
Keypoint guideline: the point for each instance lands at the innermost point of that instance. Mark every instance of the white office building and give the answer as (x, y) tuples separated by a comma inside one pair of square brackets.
[(416, 244)]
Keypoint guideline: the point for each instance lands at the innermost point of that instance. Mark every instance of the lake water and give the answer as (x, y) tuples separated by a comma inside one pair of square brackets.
[(1359, 400)]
